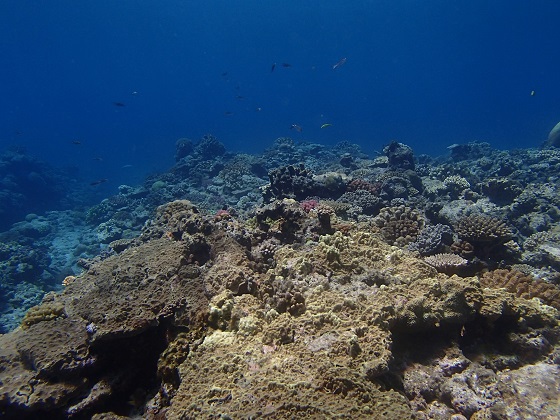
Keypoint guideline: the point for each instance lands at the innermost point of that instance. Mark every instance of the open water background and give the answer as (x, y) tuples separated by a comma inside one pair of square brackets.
[(427, 73)]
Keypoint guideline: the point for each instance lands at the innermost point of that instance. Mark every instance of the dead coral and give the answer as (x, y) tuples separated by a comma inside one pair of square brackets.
[(400, 225), (522, 286), (481, 228)]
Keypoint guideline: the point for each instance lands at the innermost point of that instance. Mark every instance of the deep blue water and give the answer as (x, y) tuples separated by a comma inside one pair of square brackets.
[(426, 73)]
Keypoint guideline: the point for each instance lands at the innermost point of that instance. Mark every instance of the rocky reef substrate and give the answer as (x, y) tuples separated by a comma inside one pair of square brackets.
[(309, 282)]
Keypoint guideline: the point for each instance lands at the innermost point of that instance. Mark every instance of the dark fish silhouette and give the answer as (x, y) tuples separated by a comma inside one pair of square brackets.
[(340, 63), (119, 104), (296, 127), (99, 181), (286, 65), (228, 113), (273, 67), (239, 97)]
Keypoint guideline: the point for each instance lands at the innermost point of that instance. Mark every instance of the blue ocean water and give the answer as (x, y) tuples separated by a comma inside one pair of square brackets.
[(428, 74)]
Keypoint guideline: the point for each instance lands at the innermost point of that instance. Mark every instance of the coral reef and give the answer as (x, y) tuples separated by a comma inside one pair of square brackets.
[(400, 225), (478, 228), (446, 263), (432, 239), (309, 282), (522, 286)]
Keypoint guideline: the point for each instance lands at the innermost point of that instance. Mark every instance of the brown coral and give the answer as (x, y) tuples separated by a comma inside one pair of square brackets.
[(47, 311), (400, 225), (481, 228), (360, 184), (446, 263), (522, 286), (463, 248)]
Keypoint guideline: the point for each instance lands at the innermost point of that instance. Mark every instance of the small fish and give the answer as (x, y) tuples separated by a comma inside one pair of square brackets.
[(258, 109), (326, 125), (239, 97), (286, 65), (99, 181), (134, 93), (533, 93), (97, 158), (340, 63), (224, 74), (76, 142), (127, 166), (296, 127), (228, 113), (273, 67), (118, 104)]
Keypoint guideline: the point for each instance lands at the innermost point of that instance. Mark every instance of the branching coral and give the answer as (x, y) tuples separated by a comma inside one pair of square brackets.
[(477, 228), (400, 225)]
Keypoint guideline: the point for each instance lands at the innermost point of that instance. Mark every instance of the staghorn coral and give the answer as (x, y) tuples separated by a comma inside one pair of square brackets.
[(522, 286), (446, 263), (478, 228), (399, 225)]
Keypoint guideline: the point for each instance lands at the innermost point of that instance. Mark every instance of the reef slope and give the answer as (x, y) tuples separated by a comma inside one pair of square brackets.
[(283, 315)]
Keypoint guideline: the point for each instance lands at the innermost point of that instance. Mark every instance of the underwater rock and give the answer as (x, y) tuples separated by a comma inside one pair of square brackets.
[(432, 239), (554, 136), (474, 150), (183, 148), (291, 182), (209, 148), (401, 156)]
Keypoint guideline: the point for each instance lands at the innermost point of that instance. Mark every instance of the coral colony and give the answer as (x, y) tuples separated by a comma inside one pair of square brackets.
[(307, 282)]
